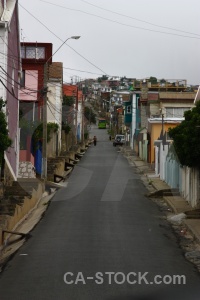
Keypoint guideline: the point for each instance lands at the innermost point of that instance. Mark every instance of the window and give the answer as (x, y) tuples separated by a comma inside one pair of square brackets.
[(30, 52), (22, 79), (33, 52), (40, 53), (128, 109), (176, 112), (23, 52), (168, 138)]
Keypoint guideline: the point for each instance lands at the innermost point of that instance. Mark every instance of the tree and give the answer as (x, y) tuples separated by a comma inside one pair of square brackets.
[(186, 138), (66, 127), (123, 78), (163, 81), (104, 77), (68, 100), (153, 80), (38, 132), (90, 115), (5, 141), (35, 130)]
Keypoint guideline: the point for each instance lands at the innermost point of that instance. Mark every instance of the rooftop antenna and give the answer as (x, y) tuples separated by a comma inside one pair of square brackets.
[(22, 37)]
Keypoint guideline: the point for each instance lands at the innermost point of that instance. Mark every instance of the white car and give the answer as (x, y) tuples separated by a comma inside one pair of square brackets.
[(119, 140)]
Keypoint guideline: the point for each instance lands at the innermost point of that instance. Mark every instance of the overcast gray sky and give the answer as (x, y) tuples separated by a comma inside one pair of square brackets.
[(129, 38)]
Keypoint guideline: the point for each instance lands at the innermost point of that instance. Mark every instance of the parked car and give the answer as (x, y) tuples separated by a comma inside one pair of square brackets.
[(119, 140)]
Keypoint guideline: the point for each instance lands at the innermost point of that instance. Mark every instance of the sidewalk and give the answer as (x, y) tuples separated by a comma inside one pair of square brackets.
[(175, 202), (13, 243)]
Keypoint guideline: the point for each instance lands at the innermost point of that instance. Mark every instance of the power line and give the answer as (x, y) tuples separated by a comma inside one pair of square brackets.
[(53, 114), (27, 72), (11, 50), (9, 90), (123, 15), (84, 71), (7, 75), (63, 41), (54, 107), (9, 80), (120, 23)]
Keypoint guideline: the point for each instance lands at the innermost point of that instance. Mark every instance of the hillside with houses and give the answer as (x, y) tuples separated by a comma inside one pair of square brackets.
[(48, 120)]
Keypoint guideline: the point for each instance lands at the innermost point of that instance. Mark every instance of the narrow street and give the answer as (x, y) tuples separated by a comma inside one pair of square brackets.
[(101, 222)]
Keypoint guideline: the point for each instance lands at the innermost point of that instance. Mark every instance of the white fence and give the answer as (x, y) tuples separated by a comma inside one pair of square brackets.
[(185, 179), (189, 188)]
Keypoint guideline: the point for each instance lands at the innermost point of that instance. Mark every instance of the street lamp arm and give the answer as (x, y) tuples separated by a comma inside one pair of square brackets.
[(75, 37)]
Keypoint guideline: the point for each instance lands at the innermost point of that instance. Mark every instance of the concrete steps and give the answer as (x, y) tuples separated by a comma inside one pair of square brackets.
[(193, 214), (171, 192), (165, 193), (14, 195), (55, 166)]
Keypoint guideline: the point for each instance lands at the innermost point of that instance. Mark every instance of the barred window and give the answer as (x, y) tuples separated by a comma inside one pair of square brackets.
[(176, 112), (33, 52), (30, 52)]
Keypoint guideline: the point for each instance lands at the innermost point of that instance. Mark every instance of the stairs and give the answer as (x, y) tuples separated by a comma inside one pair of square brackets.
[(171, 192), (165, 193), (15, 195)]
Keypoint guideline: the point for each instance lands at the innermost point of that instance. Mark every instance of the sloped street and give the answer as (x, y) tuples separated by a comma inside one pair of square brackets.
[(101, 238)]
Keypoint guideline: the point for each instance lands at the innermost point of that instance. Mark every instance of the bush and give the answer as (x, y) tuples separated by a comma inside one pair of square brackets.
[(186, 138), (5, 141)]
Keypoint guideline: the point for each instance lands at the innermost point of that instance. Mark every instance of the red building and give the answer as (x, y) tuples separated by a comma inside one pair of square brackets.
[(73, 91), (69, 113), (35, 60), (34, 57)]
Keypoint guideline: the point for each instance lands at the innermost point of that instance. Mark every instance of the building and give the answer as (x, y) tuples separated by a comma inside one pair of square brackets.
[(164, 99), (54, 105), (35, 60), (158, 129), (10, 74), (73, 114)]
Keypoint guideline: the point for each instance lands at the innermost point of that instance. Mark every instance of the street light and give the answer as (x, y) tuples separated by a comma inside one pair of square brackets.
[(74, 37), (44, 144)]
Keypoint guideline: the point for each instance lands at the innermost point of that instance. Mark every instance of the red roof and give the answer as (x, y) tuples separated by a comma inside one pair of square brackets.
[(71, 90)]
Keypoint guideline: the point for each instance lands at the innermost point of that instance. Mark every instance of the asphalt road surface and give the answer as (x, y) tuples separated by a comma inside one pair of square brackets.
[(101, 239)]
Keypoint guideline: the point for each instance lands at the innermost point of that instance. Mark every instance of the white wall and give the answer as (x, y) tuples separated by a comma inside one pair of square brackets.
[(54, 108), (190, 185), (184, 178)]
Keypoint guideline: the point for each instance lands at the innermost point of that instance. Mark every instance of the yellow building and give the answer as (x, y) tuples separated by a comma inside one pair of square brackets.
[(158, 129)]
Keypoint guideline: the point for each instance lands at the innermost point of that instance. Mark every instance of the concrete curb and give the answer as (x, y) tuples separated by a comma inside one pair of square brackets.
[(193, 226)]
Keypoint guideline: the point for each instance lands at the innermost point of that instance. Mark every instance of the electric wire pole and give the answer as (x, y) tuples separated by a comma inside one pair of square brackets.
[(44, 140), (45, 91)]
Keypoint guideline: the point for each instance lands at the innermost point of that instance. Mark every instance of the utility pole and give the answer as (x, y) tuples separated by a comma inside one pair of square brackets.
[(44, 140), (163, 130), (82, 119), (76, 117), (44, 143)]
